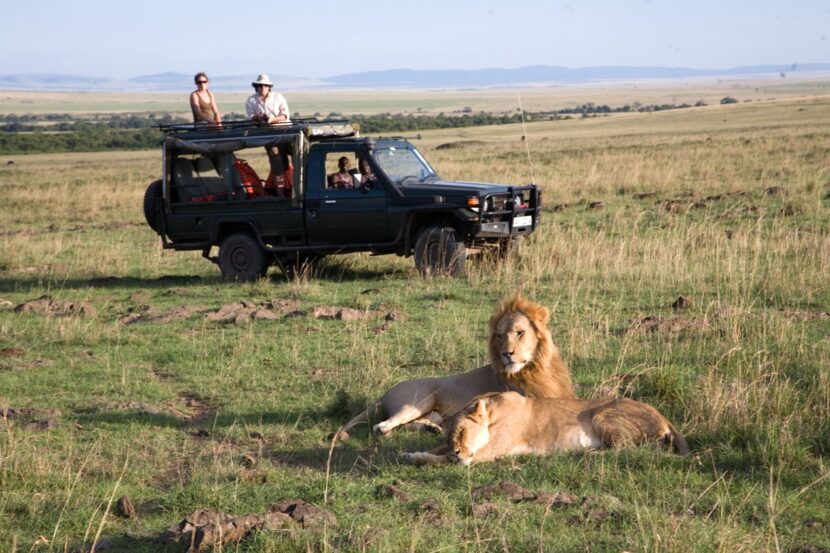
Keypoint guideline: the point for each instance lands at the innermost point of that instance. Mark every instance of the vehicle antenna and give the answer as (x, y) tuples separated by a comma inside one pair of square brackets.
[(526, 137)]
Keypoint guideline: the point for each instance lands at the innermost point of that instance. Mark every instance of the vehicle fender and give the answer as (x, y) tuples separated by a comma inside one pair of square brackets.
[(224, 228)]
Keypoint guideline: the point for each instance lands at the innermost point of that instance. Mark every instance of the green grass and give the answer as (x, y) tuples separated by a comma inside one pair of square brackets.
[(744, 377)]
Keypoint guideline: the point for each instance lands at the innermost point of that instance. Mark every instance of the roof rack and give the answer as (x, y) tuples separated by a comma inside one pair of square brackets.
[(313, 128), (294, 125)]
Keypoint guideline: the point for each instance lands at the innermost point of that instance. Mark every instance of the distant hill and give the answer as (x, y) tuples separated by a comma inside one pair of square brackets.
[(547, 74), (398, 78)]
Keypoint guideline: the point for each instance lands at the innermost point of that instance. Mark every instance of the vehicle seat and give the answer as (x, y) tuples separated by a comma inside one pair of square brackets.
[(211, 181), (184, 183), (222, 167)]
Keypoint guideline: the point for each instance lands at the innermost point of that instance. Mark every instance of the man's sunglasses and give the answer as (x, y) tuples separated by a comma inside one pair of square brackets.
[(201, 82)]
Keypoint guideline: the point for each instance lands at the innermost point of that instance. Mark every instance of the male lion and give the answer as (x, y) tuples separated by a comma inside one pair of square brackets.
[(498, 424), (522, 358)]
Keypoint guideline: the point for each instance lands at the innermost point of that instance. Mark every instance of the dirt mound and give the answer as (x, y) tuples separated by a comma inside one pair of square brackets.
[(206, 529), (149, 314), (45, 305), (670, 325), (32, 418), (459, 144), (807, 315), (594, 507), (246, 311)]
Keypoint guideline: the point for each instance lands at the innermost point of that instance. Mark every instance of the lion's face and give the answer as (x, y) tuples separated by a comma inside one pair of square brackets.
[(513, 342), (470, 432)]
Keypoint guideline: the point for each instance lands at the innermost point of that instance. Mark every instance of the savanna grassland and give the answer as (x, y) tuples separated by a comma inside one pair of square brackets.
[(140, 393)]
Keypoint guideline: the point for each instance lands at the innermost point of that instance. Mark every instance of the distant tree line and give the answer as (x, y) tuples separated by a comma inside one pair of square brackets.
[(62, 132)]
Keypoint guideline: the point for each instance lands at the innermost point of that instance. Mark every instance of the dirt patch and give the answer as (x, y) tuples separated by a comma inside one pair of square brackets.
[(775, 191), (206, 529), (6, 304), (670, 325), (140, 407), (459, 144), (674, 206), (45, 305), (509, 490), (808, 315), (392, 491), (245, 311), (12, 352), (149, 314), (596, 205), (644, 195), (200, 408), (31, 418)]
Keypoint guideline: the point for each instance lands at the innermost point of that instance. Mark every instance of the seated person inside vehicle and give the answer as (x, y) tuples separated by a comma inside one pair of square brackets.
[(341, 179), (365, 179)]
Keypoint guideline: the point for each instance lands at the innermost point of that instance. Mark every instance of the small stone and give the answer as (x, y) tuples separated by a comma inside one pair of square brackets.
[(596, 205)]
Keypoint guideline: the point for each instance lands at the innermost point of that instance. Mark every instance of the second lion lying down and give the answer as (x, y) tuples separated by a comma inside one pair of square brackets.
[(500, 424)]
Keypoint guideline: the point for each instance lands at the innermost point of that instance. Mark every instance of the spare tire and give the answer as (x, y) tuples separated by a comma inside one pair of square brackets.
[(151, 197)]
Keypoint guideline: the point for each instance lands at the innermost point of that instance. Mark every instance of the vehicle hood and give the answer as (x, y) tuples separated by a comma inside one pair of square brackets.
[(445, 187)]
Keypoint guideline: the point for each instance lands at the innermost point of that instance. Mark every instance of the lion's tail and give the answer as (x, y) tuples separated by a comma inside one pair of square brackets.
[(370, 411), (678, 441)]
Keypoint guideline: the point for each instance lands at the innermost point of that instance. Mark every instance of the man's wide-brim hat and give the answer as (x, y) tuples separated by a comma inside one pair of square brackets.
[(263, 80)]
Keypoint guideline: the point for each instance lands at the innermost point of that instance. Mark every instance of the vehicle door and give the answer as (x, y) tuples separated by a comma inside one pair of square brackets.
[(340, 208)]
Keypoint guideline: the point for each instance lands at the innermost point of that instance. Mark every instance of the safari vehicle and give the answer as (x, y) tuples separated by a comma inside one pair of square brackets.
[(210, 195)]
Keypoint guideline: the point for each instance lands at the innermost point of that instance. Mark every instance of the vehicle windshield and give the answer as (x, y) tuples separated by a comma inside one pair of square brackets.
[(403, 165)]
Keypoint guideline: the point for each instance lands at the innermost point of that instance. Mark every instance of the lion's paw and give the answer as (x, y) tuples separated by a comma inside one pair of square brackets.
[(382, 428)]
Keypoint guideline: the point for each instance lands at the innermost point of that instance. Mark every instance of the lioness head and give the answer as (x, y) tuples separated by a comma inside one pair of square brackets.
[(469, 432), (522, 352)]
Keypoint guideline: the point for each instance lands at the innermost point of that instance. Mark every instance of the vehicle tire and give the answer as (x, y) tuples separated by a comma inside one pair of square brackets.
[(242, 258), (438, 251), (151, 196)]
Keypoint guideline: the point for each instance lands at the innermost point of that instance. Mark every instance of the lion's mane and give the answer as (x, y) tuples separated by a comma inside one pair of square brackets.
[(546, 375)]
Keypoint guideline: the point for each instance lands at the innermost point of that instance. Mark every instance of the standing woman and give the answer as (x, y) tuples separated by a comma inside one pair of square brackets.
[(203, 103)]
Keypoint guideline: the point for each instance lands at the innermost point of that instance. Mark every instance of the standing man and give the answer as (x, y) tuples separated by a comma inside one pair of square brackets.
[(265, 105)]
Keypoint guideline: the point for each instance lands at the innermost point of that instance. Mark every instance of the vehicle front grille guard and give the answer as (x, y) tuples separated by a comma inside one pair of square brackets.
[(531, 195)]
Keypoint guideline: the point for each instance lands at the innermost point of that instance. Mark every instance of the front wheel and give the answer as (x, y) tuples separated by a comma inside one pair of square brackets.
[(438, 251), (242, 258)]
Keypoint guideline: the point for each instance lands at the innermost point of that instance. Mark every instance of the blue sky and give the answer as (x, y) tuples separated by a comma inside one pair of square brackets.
[(325, 37)]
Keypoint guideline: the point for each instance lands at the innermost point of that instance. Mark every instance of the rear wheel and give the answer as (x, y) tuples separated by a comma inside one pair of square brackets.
[(242, 258), (438, 251), (151, 196)]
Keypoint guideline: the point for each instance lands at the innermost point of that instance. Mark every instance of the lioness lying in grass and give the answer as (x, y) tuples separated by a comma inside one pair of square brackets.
[(499, 424)]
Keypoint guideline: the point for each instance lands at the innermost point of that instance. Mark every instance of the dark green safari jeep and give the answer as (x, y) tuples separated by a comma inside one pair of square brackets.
[(327, 191)]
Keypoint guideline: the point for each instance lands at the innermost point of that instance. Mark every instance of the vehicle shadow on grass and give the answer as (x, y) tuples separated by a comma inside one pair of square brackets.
[(54, 284)]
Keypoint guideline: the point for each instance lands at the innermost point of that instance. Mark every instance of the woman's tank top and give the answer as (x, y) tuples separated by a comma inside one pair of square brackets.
[(207, 109)]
